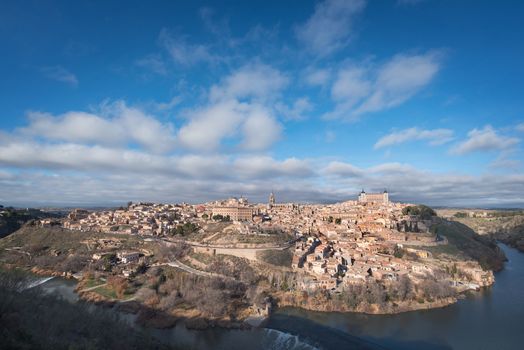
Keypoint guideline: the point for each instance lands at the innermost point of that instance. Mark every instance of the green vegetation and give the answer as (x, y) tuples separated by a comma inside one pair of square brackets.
[(461, 214), (222, 218), (91, 282), (399, 252), (185, 229), (105, 292), (422, 211)]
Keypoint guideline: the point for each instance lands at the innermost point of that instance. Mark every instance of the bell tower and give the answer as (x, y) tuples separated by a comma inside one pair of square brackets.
[(271, 199)]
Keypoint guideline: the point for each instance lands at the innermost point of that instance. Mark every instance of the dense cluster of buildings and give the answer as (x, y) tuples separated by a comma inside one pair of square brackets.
[(337, 244), (139, 218), (352, 241)]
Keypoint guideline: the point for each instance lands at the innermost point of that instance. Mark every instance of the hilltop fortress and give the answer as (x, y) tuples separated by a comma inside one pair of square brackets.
[(364, 197)]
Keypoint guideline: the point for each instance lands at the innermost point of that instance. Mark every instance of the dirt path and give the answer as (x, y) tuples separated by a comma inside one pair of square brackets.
[(92, 288)]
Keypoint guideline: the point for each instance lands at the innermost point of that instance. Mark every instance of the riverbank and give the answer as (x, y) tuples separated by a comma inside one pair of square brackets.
[(191, 319), (487, 319), (370, 309)]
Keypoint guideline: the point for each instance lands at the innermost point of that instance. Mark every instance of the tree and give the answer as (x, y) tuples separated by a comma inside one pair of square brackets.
[(119, 285), (338, 221), (398, 253), (184, 229), (141, 268), (423, 211), (330, 219)]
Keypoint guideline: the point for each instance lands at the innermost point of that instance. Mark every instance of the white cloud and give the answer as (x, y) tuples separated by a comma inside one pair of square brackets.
[(520, 127), (343, 169), (399, 79), (166, 106), (407, 183), (153, 62), (434, 137), (482, 140), (60, 74), (184, 53), (118, 125), (257, 81), (98, 159), (241, 106), (364, 89), (260, 129), (392, 168), (297, 111), (63, 174), (208, 126), (266, 167), (317, 77), (330, 27), (350, 87)]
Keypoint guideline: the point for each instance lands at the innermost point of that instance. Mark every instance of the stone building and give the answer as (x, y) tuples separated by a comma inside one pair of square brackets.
[(364, 197), (236, 209)]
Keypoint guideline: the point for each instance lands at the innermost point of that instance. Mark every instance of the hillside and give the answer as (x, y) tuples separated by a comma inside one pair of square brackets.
[(13, 219), (506, 226), (465, 242), (508, 229)]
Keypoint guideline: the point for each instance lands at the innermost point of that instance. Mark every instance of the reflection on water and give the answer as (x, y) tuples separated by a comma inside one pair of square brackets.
[(490, 319), (59, 286)]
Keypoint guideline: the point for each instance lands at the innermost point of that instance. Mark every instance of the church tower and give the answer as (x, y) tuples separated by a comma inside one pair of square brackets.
[(271, 199)]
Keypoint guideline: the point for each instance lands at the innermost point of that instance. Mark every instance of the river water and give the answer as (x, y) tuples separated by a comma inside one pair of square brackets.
[(490, 319)]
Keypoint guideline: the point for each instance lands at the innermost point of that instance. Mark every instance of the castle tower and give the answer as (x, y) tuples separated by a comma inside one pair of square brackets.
[(362, 196)]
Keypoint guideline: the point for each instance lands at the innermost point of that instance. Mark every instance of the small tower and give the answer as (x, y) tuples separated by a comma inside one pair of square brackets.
[(386, 196), (271, 199)]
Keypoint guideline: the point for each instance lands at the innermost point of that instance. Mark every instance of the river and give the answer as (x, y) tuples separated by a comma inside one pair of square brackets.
[(489, 319)]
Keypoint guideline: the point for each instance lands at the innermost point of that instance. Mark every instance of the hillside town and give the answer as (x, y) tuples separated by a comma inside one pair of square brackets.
[(333, 246)]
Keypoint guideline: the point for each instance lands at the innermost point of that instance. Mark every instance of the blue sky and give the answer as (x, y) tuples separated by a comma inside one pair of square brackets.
[(103, 102)]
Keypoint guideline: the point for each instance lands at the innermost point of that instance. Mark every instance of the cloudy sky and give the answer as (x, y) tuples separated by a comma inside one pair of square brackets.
[(103, 102)]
